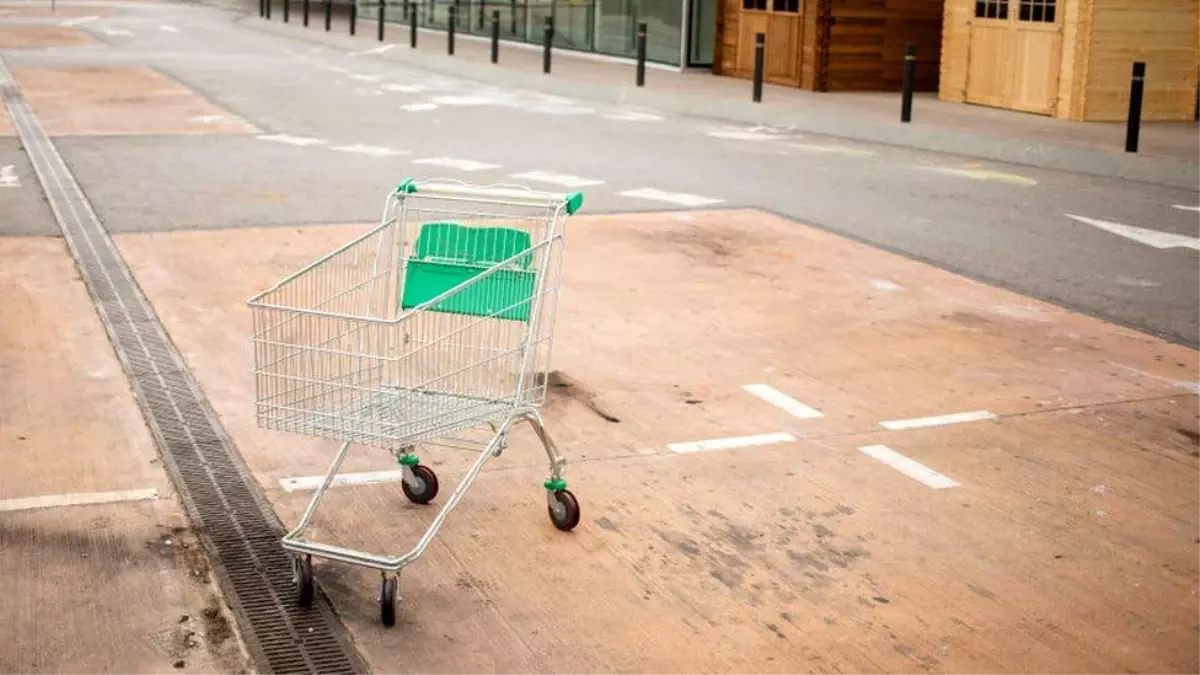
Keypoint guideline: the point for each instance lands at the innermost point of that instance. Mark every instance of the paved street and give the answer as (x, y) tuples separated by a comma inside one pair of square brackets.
[(831, 400)]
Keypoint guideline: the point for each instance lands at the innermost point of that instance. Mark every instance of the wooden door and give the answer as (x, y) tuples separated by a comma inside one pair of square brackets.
[(1015, 54), (779, 21)]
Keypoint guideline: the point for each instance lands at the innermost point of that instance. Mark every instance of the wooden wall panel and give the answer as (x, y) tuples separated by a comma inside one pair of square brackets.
[(1163, 33), (865, 50), (956, 42), (1077, 38)]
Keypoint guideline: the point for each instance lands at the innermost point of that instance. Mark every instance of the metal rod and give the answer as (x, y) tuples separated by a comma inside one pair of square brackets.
[(760, 42), (450, 30), (641, 55), (268, 2), (513, 16), (262, 7), (495, 35), (547, 38), (412, 25), (1136, 88), (328, 14), (305, 12), (353, 16), (910, 67), (287, 10), (482, 10), (382, 9)]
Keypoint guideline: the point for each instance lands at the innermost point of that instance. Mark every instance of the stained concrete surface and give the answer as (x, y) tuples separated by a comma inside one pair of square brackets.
[(23, 208), (42, 37)]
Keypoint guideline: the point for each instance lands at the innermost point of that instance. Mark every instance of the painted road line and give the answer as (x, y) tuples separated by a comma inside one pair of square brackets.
[(732, 443), (118, 32), (314, 482), (292, 140), (832, 149), (168, 29), (405, 88), (78, 21), (885, 285), (377, 50), (372, 150), (911, 468), (337, 69), (742, 134), (634, 116), (783, 401), (1185, 207), (1159, 240), (680, 198), (566, 180), (207, 119), (460, 164), (77, 499), (9, 177), (365, 78), (418, 107), (983, 174), (940, 420)]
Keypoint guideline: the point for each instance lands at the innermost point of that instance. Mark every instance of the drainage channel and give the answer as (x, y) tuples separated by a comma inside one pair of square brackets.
[(239, 531)]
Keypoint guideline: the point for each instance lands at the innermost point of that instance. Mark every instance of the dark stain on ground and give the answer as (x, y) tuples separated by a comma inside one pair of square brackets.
[(730, 578), (1189, 434), (684, 545), (607, 524), (717, 514), (967, 319), (743, 539), (981, 591), (216, 627), (881, 600), (558, 385), (821, 531), (775, 629), (787, 616), (809, 560)]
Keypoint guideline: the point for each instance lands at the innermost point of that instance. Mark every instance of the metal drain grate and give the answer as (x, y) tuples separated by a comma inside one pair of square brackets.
[(238, 528)]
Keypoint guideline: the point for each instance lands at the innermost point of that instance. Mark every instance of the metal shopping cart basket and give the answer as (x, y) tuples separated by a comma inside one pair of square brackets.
[(433, 329)]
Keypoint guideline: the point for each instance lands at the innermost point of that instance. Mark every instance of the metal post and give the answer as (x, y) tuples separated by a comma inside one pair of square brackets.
[(412, 25), (450, 34), (482, 9), (287, 10), (353, 15), (513, 16), (268, 2), (910, 68), (547, 38), (641, 55), (262, 7), (495, 35), (760, 47), (305, 11), (328, 14), (1136, 88), (382, 9)]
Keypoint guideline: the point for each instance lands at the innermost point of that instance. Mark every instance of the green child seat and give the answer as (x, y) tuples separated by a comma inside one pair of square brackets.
[(447, 255)]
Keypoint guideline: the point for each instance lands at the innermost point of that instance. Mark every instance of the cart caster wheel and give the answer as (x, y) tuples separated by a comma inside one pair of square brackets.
[(387, 602), (428, 489), (304, 581), (564, 510)]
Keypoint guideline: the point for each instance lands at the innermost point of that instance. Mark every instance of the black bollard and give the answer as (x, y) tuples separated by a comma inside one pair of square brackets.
[(450, 29), (262, 8), (482, 8), (512, 15), (495, 35), (412, 25), (910, 69), (547, 38), (1136, 88), (268, 9), (760, 46), (287, 10), (328, 14), (641, 55), (353, 16), (382, 9), (305, 12)]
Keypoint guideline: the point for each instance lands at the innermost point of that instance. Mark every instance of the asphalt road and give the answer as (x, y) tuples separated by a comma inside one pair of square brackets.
[(1003, 224)]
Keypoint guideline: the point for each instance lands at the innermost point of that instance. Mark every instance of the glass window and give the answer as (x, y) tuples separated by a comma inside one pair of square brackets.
[(1039, 11), (616, 27), (991, 9), (785, 5)]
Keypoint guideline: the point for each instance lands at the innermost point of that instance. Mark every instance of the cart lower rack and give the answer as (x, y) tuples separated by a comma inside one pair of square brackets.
[(432, 327)]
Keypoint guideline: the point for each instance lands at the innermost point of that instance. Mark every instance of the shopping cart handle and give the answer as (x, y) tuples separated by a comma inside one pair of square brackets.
[(511, 193)]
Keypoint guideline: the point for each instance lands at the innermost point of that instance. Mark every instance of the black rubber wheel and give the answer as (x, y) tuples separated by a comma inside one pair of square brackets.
[(428, 489), (387, 602), (304, 581), (566, 515)]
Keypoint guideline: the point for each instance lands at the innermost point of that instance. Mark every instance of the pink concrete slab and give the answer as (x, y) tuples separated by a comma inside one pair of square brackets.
[(41, 37)]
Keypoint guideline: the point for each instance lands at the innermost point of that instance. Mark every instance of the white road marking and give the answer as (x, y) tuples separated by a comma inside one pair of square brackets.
[(681, 198), (742, 135), (337, 69), (207, 119), (558, 109), (460, 164), (683, 217), (1137, 283), (372, 150), (168, 29), (419, 107), (9, 177), (367, 478), (832, 149), (1185, 207), (732, 443), (885, 285), (983, 174), (1182, 384), (1160, 240), (466, 100), (115, 32), (77, 499), (405, 88), (563, 179), (939, 420), (377, 50), (909, 467), (292, 140), (365, 78), (78, 21), (783, 401), (634, 116)]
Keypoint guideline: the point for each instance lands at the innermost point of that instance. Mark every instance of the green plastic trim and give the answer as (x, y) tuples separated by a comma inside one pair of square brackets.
[(555, 484), (408, 187), (574, 202), (409, 460)]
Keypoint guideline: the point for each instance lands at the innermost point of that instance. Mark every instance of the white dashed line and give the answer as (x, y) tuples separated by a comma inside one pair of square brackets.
[(460, 164), (732, 443), (633, 116), (741, 135), (681, 198), (365, 78), (565, 180), (405, 88), (372, 150), (419, 107), (832, 149), (940, 420), (909, 467), (983, 174), (118, 32), (1154, 238), (1185, 207), (207, 119), (76, 499), (314, 482), (168, 29), (78, 21), (377, 50), (468, 100), (783, 401), (292, 140), (9, 177), (885, 285)]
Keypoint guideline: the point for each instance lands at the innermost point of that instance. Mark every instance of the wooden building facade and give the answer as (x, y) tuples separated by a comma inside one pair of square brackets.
[(1072, 59), (830, 45)]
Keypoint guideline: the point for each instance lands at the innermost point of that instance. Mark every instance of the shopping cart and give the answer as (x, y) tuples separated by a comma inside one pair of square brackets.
[(433, 329)]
